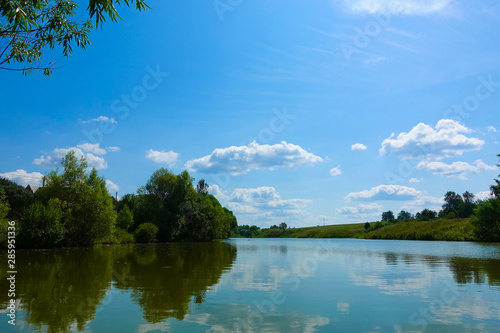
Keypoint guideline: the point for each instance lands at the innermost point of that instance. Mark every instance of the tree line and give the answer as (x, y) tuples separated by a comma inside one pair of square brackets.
[(74, 209), (484, 214)]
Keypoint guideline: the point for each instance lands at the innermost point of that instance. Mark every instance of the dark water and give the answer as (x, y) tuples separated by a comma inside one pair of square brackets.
[(259, 285)]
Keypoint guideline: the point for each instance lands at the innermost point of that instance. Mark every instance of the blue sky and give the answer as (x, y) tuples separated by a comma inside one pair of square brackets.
[(298, 111)]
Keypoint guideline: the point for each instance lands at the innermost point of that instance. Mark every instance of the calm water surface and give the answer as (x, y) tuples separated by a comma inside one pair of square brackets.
[(259, 285)]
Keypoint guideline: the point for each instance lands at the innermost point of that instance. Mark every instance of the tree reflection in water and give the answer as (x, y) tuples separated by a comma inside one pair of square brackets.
[(62, 289)]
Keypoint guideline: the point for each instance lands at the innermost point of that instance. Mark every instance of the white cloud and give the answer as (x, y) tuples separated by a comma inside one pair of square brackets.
[(112, 187), (102, 119), (401, 7), (425, 142), (24, 178), (456, 169), (113, 149), (361, 208), (358, 146), (92, 148), (492, 129), (336, 171), (168, 157), (237, 160), (53, 159), (484, 195), (263, 206), (385, 192), (415, 180), (424, 201)]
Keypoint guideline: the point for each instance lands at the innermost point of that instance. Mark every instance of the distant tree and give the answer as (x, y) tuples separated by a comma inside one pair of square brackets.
[(418, 216), (495, 189), (146, 233), (28, 28), (202, 187), (453, 201), (404, 215), (427, 215), (274, 226), (367, 225), (125, 219), (468, 205), (283, 226), (387, 216), (18, 197)]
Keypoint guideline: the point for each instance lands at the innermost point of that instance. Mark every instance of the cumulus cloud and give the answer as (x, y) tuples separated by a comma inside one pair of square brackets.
[(446, 139), (113, 149), (397, 7), (92, 148), (358, 146), (262, 205), (456, 169), (237, 160), (23, 177), (484, 195), (361, 208), (167, 157), (423, 201), (336, 171), (112, 187), (101, 119), (492, 129), (385, 192), (53, 159)]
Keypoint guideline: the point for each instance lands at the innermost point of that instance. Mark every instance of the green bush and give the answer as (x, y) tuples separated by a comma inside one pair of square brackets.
[(42, 226), (146, 233), (486, 220), (123, 237)]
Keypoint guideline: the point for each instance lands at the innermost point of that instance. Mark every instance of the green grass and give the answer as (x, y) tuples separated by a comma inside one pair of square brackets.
[(329, 231), (442, 229)]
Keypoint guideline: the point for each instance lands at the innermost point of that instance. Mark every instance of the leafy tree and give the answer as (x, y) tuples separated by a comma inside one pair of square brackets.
[(125, 218), (495, 189), (18, 197), (367, 225), (427, 215), (92, 216), (28, 28), (404, 215), (468, 205), (146, 233), (283, 226), (453, 201), (42, 226), (486, 220), (387, 216)]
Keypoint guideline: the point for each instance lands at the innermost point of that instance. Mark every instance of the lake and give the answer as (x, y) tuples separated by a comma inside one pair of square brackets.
[(259, 285)]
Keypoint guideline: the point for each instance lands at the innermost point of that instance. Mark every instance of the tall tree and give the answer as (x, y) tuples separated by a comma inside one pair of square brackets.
[(28, 28), (387, 216), (468, 204), (404, 215), (91, 212), (452, 204)]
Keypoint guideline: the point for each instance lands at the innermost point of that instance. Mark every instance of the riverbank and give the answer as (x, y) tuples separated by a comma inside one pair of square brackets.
[(440, 229)]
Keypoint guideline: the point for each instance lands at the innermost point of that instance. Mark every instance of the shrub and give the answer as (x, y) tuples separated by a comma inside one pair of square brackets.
[(486, 220), (146, 233)]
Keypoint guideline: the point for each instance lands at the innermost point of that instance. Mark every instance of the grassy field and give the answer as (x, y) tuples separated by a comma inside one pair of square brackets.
[(442, 229)]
